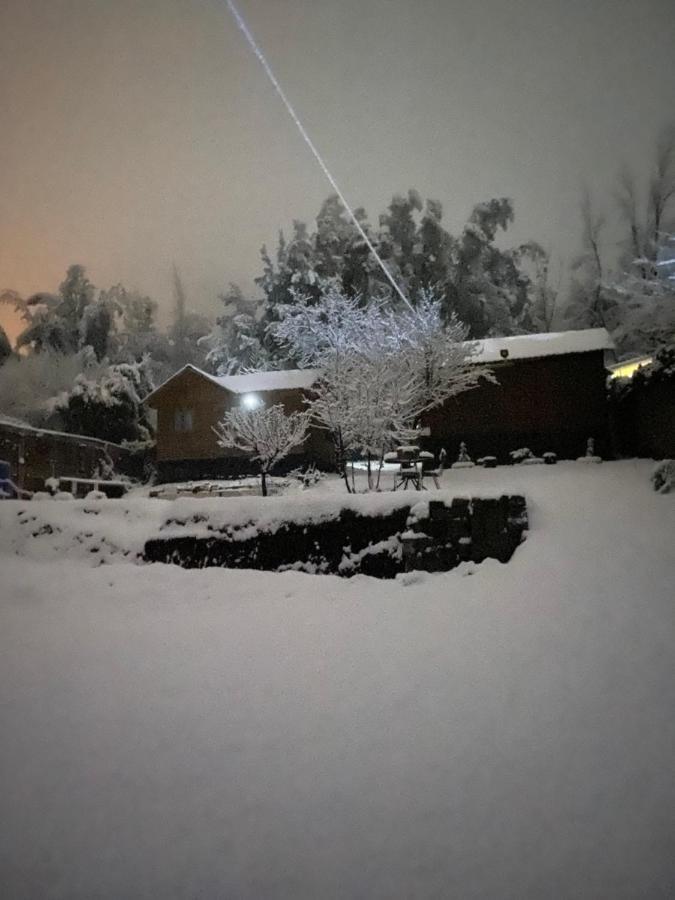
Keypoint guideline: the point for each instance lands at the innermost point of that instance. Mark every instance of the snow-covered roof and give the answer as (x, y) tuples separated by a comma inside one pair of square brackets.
[(20, 425), (530, 346), (283, 380), (252, 382)]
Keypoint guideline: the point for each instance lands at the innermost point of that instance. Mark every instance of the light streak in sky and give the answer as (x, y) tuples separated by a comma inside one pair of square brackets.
[(243, 27)]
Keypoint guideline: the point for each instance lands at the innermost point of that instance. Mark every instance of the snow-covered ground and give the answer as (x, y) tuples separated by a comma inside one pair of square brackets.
[(500, 731)]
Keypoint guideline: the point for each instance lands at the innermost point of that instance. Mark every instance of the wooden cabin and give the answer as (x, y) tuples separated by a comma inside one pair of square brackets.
[(190, 404)]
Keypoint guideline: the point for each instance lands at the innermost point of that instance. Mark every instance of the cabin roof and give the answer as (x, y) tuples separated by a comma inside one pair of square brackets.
[(530, 346), (251, 382)]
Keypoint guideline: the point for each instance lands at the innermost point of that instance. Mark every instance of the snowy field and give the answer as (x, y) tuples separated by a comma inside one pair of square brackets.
[(499, 731)]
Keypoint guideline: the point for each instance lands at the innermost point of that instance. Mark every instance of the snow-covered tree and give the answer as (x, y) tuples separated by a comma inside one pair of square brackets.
[(644, 312), (28, 384), (381, 367), (76, 293), (544, 289), (485, 286), (589, 306), (45, 331), (134, 335), (236, 342), (109, 405), (267, 433), (630, 296)]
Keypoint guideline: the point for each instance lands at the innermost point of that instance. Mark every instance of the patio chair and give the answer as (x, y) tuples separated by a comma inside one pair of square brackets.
[(433, 471)]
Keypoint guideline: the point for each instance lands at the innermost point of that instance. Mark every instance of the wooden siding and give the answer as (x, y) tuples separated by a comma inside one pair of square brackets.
[(35, 455), (548, 403), (208, 403)]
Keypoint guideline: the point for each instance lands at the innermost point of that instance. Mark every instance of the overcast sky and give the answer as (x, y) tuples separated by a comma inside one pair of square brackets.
[(136, 133)]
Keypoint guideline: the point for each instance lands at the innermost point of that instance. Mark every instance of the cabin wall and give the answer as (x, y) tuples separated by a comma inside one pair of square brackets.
[(207, 403), (36, 455), (196, 454), (550, 403)]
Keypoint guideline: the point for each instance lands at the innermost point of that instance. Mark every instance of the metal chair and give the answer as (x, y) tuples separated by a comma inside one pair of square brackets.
[(433, 471)]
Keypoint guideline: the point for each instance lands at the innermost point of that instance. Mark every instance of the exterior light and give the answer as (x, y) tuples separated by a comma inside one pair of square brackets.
[(251, 401)]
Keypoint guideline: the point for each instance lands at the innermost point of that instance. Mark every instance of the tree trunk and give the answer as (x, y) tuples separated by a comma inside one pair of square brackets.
[(263, 482), (380, 465)]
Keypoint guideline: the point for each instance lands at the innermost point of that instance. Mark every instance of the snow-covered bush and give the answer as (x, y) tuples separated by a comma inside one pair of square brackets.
[(517, 456), (267, 433), (663, 476), (488, 462)]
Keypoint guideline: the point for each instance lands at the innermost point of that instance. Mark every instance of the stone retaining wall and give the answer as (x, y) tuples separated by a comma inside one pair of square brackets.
[(430, 536)]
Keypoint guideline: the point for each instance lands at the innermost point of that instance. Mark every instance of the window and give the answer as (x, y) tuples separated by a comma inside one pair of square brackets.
[(182, 420)]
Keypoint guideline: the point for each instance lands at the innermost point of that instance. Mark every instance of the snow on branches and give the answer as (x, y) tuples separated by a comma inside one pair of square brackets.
[(268, 433), (382, 367)]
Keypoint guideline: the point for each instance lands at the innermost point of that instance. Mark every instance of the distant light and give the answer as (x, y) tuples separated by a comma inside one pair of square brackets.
[(251, 401)]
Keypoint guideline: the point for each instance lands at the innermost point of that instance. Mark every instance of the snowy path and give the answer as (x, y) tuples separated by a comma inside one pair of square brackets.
[(501, 734)]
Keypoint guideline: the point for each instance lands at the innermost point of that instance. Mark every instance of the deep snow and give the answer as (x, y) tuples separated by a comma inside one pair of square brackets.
[(500, 731)]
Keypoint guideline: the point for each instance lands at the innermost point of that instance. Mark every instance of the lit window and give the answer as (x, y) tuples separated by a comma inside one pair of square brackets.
[(182, 420)]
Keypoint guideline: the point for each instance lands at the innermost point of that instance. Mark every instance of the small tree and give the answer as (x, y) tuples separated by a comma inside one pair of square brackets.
[(381, 367), (269, 433)]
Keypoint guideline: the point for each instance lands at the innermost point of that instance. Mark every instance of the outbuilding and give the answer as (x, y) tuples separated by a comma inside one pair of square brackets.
[(550, 397), (190, 403)]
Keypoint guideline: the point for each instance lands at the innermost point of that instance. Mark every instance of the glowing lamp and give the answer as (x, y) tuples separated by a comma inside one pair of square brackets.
[(251, 401)]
